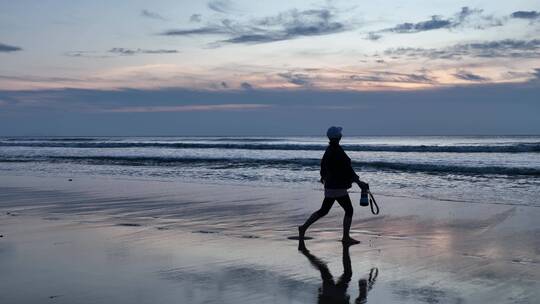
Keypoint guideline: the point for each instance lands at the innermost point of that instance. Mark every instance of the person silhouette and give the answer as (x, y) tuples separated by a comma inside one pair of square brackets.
[(335, 292), (337, 175)]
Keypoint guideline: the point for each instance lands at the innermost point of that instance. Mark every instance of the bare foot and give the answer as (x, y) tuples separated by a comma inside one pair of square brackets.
[(350, 241), (301, 232)]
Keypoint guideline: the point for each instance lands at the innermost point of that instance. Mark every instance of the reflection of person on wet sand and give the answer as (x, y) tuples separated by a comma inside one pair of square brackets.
[(364, 286), (336, 291)]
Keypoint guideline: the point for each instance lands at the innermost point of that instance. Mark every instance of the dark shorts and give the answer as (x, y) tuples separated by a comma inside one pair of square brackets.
[(343, 201)]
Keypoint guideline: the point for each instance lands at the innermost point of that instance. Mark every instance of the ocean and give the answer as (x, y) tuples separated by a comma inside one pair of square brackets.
[(474, 169)]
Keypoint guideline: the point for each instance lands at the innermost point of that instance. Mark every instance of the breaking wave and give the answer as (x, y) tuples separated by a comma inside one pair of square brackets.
[(287, 163)]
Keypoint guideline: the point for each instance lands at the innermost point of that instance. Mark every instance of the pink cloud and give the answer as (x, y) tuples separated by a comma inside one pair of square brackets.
[(190, 108)]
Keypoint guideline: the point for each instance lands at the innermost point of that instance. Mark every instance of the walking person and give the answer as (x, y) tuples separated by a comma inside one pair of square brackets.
[(337, 175)]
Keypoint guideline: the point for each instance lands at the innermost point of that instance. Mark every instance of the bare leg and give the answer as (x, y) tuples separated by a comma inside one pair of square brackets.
[(347, 220), (326, 205), (345, 203), (312, 219)]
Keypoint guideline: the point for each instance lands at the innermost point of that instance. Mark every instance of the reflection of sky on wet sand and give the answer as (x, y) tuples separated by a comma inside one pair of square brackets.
[(211, 255)]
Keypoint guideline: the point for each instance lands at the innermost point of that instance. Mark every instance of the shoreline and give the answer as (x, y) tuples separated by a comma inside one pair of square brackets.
[(168, 236)]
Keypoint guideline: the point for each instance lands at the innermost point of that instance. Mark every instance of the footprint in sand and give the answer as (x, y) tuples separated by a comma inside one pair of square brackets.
[(129, 225), (249, 237), (205, 231)]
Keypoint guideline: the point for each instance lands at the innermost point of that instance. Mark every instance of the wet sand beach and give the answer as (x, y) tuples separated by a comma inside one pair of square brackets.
[(113, 240)]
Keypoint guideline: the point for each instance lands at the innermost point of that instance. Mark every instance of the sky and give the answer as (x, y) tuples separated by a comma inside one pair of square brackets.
[(235, 67)]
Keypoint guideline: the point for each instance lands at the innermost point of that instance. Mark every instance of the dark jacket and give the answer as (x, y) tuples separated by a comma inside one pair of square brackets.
[(336, 168)]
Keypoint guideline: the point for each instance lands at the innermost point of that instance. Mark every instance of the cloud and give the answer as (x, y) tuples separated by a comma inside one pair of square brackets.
[(512, 108), (466, 16), (129, 52), (117, 51), (435, 23), (6, 48), (380, 76), (221, 6), (219, 85), (465, 13), (373, 37), (86, 54), (487, 49), (152, 15), (290, 25), (246, 86), (287, 25), (526, 15), (536, 74), (464, 75), (207, 30), (189, 108), (196, 18), (296, 78), (39, 78)]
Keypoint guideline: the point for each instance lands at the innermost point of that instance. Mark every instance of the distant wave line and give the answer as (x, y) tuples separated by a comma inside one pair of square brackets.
[(290, 164), (533, 147)]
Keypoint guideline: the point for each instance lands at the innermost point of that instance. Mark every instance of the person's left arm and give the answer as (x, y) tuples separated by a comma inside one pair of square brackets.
[(355, 177)]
